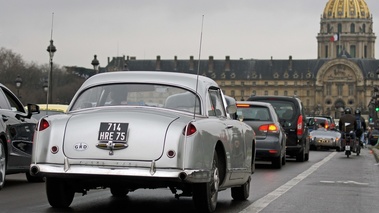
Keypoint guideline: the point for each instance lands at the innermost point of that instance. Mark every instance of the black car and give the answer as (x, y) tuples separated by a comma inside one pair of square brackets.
[(16, 134), (293, 119), (373, 137), (270, 135)]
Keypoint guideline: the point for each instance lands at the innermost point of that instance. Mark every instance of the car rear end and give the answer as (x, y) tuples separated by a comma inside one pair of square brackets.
[(293, 120), (267, 129)]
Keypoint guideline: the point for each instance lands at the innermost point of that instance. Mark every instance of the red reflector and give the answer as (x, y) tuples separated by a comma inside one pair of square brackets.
[(43, 124), (191, 129), (273, 151)]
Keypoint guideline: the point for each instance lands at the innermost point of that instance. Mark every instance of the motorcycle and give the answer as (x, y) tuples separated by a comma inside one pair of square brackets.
[(352, 144)]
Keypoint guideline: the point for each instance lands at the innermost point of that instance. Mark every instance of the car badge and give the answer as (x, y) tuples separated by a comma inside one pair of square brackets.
[(111, 146), (80, 146)]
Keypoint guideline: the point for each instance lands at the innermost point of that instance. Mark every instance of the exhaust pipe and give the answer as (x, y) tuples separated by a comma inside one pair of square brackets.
[(34, 170), (183, 176)]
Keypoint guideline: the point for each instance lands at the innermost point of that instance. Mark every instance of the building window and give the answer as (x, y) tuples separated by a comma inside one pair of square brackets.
[(365, 51), (308, 93), (339, 90), (339, 28), (223, 83), (326, 51), (254, 92), (242, 83), (329, 89), (266, 83), (232, 83), (364, 28), (242, 93), (285, 83), (254, 83), (276, 92), (276, 83), (351, 91), (353, 51), (285, 93), (266, 92), (232, 93), (295, 92), (352, 28)]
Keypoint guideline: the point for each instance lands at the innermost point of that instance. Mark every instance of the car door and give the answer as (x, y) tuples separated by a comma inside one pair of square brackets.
[(19, 130)]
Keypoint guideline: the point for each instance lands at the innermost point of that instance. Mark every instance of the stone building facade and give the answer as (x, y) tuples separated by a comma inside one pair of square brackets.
[(342, 75)]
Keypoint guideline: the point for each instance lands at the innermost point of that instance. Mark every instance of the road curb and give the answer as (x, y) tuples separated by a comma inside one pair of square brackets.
[(375, 152)]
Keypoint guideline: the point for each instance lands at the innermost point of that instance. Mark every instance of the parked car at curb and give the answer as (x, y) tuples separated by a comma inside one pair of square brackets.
[(270, 135), (293, 119), (16, 133), (128, 130)]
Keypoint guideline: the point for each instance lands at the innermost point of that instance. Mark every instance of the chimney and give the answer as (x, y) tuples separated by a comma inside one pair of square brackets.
[(227, 63), (175, 63), (191, 63), (158, 63), (290, 63), (210, 64)]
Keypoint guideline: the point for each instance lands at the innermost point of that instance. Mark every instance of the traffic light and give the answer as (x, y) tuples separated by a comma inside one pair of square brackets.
[(377, 109)]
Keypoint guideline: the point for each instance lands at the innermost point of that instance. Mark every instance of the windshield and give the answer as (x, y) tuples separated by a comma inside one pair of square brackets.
[(138, 95)]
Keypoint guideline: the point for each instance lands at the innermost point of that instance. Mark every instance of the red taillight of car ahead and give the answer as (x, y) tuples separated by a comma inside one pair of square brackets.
[(191, 129), (299, 125), (268, 128), (43, 124)]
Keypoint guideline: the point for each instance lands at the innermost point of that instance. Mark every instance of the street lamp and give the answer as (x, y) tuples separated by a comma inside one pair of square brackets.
[(95, 63), (18, 83), (51, 49)]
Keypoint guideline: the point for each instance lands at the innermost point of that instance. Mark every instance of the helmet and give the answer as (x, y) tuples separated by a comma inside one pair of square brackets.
[(358, 112), (347, 110)]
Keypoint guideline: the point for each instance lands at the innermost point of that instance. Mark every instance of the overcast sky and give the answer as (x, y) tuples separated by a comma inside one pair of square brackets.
[(244, 29)]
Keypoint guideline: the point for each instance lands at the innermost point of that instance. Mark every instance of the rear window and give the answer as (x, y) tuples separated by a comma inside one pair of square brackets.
[(256, 113), (285, 109)]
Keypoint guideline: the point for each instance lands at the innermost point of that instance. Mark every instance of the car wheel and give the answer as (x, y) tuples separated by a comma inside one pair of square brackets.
[(205, 194), (59, 194), (277, 162), (242, 192), (300, 156), (3, 164), (284, 160), (33, 179), (119, 191)]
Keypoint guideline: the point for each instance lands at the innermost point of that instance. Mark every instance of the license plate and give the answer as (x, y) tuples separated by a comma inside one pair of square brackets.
[(115, 132), (347, 148)]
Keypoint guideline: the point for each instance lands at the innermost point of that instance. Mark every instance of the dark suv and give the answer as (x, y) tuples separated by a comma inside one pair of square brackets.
[(292, 117)]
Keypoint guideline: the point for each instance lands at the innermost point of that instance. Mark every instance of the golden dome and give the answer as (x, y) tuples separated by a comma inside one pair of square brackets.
[(346, 9)]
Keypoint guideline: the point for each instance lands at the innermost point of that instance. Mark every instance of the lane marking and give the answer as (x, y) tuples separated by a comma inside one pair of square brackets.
[(262, 203), (344, 182)]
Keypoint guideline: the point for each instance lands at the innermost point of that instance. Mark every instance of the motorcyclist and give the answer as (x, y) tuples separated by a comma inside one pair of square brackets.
[(359, 126), (346, 124)]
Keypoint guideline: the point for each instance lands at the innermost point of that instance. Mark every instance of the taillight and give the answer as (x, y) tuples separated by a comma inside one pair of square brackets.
[(299, 125), (43, 124), (268, 128), (191, 129)]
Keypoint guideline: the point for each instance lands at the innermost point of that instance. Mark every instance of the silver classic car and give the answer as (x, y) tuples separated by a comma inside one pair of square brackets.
[(326, 139), (128, 130)]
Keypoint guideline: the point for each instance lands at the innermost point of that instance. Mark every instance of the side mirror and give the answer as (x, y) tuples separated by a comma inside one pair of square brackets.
[(32, 109)]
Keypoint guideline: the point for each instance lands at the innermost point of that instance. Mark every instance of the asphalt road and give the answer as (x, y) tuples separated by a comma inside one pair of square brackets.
[(328, 182)]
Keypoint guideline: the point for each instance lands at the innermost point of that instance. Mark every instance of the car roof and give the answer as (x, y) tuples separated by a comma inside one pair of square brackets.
[(190, 81)]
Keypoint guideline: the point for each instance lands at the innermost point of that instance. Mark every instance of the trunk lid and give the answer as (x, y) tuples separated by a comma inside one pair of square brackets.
[(130, 134)]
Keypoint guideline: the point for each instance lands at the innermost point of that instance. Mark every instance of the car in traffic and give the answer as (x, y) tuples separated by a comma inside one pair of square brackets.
[(373, 136), (326, 139), (127, 130), (16, 134), (293, 119), (269, 134)]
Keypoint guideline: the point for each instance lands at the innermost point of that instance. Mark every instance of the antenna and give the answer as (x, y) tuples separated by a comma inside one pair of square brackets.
[(198, 64)]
